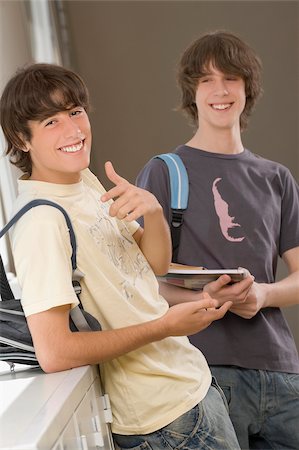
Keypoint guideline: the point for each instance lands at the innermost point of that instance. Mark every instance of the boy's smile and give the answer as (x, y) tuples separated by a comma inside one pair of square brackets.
[(221, 106), (72, 148)]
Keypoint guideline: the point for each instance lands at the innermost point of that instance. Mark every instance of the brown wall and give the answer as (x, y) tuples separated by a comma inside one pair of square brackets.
[(127, 50)]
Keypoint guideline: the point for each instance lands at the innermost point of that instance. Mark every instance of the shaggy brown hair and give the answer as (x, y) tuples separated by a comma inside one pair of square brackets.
[(230, 55), (31, 94)]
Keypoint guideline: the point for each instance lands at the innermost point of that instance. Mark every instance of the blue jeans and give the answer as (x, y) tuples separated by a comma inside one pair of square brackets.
[(205, 427), (263, 406)]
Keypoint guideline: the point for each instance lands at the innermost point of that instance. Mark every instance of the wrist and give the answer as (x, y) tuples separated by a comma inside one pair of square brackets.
[(155, 212), (265, 294), (161, 328)]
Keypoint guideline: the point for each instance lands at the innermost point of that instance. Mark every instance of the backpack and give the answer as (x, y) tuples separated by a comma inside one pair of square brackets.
[(179, 192), (15, 340)]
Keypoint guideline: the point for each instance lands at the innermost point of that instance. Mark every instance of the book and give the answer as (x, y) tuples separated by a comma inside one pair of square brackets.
[(193, 277)]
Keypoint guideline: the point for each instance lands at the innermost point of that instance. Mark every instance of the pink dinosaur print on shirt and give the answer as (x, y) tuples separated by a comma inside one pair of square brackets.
[(226, 221)]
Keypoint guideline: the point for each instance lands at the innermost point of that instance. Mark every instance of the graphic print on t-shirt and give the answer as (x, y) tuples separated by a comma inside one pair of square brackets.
[(225, 220), (116, 243)]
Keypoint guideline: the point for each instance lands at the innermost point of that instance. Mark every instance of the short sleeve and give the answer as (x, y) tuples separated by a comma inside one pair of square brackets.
[(289, 236), (42, 256), (155, 179)]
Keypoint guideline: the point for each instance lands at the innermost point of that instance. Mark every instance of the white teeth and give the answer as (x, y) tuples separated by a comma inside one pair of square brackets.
[(223, 106), (72, 148)]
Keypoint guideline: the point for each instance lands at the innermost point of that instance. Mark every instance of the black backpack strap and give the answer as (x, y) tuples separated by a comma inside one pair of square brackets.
[(77, 314), (15, 339), (38, 202), (179, 191), (5, 289), (177, 219)]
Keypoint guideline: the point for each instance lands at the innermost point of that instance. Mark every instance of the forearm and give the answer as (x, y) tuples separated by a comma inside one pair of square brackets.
[(175, 294), (62, 349), (57, 348), (282, 293), (155, 242)]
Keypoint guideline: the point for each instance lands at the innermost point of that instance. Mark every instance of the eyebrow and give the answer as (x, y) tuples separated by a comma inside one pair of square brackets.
[(44, 119)]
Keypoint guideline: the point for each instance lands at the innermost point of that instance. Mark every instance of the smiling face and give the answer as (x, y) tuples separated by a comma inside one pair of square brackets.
[(40, 107), (220, 99), (60, 146), (230, 55)]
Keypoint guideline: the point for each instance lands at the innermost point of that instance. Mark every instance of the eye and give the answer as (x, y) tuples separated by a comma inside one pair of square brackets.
[(76, 112), (205, 80), (50, 122)]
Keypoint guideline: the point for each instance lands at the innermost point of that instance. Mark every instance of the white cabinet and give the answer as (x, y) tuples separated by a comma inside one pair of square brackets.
[(88, 428), (59, 411), (69, 439)]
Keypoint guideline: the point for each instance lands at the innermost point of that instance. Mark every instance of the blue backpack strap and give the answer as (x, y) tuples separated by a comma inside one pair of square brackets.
[(179, 184), (179, 193)]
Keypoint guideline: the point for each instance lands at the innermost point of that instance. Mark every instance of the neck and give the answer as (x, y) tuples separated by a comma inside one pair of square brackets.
[(56, 178), (225, 141)]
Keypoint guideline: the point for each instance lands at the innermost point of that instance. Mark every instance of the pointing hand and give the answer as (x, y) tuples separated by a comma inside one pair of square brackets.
[(130, 202)]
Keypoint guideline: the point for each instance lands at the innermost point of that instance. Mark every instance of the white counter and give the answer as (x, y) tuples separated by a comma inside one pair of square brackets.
[(59, 411)]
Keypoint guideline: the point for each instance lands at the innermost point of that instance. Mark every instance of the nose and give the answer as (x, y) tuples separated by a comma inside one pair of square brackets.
[(71, 129), (221, 88)]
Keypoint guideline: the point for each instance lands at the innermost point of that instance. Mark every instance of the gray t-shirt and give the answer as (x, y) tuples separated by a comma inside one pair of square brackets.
[(243, 211)]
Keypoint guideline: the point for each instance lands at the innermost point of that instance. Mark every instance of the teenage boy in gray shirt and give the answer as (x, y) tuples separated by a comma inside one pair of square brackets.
[(243, 211)]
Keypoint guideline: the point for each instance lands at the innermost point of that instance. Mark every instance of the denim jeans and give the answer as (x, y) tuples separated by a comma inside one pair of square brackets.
[(263, 406), (205, 427)]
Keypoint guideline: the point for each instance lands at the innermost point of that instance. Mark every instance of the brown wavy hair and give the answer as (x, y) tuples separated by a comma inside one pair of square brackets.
[(31, 94), (230, 55)]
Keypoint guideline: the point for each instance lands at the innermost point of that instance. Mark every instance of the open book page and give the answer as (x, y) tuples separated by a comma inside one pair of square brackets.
[(193, 277)]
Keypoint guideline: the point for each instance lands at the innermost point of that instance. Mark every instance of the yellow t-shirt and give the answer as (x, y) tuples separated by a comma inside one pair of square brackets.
[(149, 387)]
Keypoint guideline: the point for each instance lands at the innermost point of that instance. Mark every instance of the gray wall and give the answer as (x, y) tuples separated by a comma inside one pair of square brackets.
[(127, 50)]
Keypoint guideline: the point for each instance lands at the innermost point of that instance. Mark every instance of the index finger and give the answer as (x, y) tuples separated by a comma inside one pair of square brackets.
[(112, 175), (115, 178), (206, 303)]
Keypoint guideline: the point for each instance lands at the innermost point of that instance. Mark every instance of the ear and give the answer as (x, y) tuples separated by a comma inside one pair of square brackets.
[(23, 144)]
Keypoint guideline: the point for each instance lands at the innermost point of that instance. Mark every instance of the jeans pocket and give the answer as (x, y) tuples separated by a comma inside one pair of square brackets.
[(123, 442), (179, 432), (174, 435), (292, 382), (224, 391), (227, 391)]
